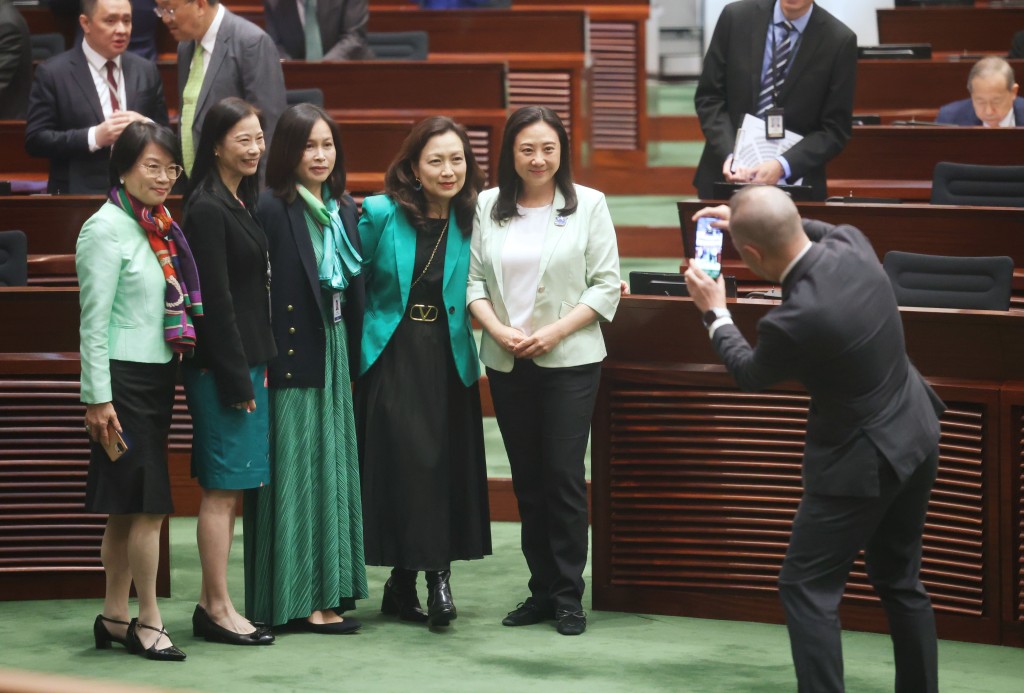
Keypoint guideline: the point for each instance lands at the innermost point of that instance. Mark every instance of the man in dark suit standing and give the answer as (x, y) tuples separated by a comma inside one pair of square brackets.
[(871, 449), (219, 55), (319, 29), (82, 99), (993, 102), (15, 62), (787, 54)]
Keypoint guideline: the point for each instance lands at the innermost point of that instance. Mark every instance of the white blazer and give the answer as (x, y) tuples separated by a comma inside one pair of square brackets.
[(579, 263)]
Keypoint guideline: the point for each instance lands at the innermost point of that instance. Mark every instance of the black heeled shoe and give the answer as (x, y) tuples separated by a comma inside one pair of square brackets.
[(400, 597), (104, 637), (203, 626), (167, 654), (440, 606)]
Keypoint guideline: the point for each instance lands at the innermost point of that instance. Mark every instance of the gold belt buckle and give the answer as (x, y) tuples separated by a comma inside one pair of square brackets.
[(423, 313)]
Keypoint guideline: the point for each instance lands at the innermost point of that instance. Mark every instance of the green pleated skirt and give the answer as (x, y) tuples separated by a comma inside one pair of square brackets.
[(304, 532)]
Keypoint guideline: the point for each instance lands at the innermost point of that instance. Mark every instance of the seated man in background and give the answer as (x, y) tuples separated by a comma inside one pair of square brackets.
[(993, 103), (319, 29), (82, 99)]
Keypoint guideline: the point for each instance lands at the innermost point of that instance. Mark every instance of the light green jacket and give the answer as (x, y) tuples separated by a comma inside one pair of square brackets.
[(122, 299), (579, 263)]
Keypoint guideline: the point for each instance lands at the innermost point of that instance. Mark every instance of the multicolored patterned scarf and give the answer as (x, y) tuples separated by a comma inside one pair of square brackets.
[(182, 301)]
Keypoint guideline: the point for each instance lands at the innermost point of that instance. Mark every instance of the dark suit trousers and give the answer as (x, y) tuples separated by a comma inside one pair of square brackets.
[(828, 533), (544, 416)]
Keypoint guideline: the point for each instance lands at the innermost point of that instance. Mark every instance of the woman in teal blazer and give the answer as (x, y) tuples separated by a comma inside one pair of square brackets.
[(544, 272), (139, 292), (418, 415)]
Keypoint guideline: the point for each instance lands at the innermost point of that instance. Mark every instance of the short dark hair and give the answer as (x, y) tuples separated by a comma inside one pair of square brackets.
[(400, 182), (218, 122), (133, 141), (508, 179), (289, 145), (88, 7)]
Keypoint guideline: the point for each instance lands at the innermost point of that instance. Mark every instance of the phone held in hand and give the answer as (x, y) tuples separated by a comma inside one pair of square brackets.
[(115, 446), (708, 247)]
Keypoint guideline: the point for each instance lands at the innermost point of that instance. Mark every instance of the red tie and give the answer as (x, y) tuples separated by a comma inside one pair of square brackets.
[(115, 105)]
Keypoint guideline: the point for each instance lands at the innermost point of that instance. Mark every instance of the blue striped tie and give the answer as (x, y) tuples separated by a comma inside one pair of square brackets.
[(775, 75)]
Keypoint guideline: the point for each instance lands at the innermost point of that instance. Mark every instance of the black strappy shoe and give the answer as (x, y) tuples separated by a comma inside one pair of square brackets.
[(104, 637), (167, 654)]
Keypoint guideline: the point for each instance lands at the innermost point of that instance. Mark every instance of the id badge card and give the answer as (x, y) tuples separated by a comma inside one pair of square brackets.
[(774, 123), (336, 304)]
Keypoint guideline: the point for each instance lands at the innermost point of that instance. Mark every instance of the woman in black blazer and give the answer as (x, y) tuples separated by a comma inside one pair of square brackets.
[(304, 532), (226, 381)]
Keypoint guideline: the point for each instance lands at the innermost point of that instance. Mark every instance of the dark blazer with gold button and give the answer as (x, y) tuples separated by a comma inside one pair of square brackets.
[(298, 303), (230, 250)]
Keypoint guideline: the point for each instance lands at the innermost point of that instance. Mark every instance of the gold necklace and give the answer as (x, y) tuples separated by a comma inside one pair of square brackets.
[(432, 254)]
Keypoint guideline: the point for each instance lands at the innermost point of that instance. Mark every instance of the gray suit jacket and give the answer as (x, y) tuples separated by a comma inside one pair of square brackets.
[(15, 62), (342, 28), (63, 105), (244, 64), (839, 333)]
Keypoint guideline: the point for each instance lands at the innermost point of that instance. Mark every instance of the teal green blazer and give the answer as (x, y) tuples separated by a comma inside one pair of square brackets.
[(389, 253), (121, 296)]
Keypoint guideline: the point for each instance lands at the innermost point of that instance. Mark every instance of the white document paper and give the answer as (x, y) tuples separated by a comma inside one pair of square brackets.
[(753, 146)]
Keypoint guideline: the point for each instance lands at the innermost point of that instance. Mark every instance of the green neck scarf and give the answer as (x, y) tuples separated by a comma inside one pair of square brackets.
[(340, 261)]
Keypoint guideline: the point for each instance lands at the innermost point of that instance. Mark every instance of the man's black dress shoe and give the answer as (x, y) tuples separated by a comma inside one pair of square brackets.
[(204, 626), (571, 622), (343, 627), (527, 613), (104, 637), (167, 654)]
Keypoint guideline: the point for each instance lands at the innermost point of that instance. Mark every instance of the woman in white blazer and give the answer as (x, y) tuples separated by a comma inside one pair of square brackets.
[(544, 271)]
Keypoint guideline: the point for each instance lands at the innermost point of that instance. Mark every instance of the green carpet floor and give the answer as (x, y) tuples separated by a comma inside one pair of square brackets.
[(619, 652)]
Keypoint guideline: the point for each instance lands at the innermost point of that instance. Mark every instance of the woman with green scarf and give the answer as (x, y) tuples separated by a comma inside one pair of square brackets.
[(304, 531)]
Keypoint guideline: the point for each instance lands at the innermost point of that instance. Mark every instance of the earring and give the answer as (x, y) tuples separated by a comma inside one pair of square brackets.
[(122, 180), (418, 186)]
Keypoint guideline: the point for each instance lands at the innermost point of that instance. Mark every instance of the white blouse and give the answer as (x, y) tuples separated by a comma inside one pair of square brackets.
[(520, 264)]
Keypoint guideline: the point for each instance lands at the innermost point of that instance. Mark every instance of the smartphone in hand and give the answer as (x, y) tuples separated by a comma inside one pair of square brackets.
[(115, 446), (708, 247)]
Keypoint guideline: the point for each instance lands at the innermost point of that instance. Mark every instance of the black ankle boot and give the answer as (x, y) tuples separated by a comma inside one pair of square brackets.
[(440, 607), (400, 596)]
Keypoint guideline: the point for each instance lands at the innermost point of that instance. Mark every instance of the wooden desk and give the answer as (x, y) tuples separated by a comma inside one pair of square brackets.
[(904, 89), (897, 162), (695, 484), (952, 28), (49, 545), (16, 161)]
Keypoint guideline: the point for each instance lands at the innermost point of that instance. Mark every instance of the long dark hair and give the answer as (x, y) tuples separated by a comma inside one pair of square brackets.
[(289, 146), (508, 179), (218, 122), (133, 141), (400, 181)]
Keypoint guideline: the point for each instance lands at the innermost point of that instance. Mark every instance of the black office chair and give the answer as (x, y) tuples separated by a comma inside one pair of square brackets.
[(983, 186), (13, 258), (398, 45), (939, 281), (46, 45), (297, 96)]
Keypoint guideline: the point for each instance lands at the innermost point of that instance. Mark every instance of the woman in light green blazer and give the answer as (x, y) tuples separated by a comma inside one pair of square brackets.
[(139, 292), (418, 417), (544, 271)]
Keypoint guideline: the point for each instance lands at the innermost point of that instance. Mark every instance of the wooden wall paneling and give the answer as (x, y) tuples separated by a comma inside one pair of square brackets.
[(1011, 500), (952, 28)]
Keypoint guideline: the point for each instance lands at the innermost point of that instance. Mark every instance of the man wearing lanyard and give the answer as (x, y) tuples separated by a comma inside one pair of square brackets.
[(785, 61)]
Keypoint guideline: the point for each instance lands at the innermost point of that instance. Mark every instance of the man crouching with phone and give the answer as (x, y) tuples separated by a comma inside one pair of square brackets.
[(871, 449)]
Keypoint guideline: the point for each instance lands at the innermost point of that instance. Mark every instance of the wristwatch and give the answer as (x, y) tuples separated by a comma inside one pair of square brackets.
[(713, 314)]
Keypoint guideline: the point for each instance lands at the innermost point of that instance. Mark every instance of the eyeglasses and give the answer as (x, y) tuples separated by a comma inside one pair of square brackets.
[(169, 13), (153, 170)]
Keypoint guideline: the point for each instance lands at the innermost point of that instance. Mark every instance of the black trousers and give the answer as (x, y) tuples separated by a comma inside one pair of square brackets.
[(544, 416), (828, 533)]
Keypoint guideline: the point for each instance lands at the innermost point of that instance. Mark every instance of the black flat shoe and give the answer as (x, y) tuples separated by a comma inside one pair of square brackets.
[(571, 622), (167, 654), (400, 597), (440, 606), (205, 627), (104, 637), (343, 627), (527, 613)]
